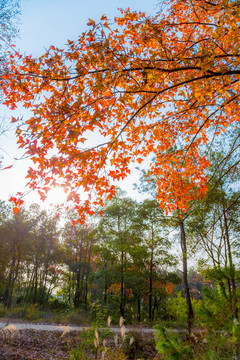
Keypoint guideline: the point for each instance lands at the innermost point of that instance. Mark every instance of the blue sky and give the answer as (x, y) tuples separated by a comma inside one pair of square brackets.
[(54, 21), (45, 23)]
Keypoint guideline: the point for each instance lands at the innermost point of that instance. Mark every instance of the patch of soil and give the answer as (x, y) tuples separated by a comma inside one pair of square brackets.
[(35, 345)]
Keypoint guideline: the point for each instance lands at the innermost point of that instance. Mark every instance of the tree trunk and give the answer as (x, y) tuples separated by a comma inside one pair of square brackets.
[(70, 276), (155, 306), (231, 265), (9, 287), (35, 288), (105, 291), (77, 290), (122, 305), (86, 279), (150, 286), (139, 308), (122, 286), (190, 314)]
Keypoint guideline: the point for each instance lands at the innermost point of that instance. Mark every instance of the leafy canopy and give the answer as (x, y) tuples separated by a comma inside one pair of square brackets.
[(163, 85)]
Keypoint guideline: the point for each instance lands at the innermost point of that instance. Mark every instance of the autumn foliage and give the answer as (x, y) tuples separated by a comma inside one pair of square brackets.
[(161, 86)]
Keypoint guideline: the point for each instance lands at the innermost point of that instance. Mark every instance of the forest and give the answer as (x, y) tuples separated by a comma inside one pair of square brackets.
[(128, 263), (158, 94)]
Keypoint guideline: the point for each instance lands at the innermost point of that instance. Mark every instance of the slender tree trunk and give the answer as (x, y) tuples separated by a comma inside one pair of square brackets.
[(76, 297), (150, 287), (122, 286), (231, 265), (70, 287), (139, 308), (12, 279), (105, 291), (230, 293), (83, 275), (87, 272), (190, 314), (155, 306), (7, 299), (78, 262), (35, 288), (45, 276), (29, 287), (15, 275), (151, 275), (122, 305)]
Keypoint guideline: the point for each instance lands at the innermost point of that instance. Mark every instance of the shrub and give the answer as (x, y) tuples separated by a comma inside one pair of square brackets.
[(215, 311), (177, 309), (3, 311), (76, 317), (58, 304), (32, 312), (18, 312), (99, 312), (171, 346), (94, 345)]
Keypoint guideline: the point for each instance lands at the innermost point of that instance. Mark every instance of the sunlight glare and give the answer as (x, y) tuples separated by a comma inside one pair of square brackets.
[(56, 196)]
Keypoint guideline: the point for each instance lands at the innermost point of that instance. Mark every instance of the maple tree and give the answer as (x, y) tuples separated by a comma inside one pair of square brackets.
[(163, 85)]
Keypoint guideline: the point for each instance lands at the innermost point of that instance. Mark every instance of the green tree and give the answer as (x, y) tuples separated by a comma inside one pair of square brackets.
[(15, 232), (176, 219), (116, 232), (78, 242), (152, 225), (43, 263)]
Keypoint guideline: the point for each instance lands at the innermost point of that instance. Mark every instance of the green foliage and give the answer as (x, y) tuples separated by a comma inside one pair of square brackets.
[(177, 308), (3, 311), (85, 347), (235, 336), (217, 345), (58, 304), (215, 310), (95, 343), (32, 312), (18, 312), (71, 316), (99, 312), (78, 354), (170, 346)]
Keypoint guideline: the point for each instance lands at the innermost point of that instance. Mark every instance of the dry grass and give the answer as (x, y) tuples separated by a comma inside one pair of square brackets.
[(9, 332)]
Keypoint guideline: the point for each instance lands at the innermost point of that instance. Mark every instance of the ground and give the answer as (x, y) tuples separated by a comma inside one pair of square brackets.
[(32, 344), (55, 345)]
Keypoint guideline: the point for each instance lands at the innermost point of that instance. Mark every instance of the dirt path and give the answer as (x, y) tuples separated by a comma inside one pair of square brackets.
[(62, 328)]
